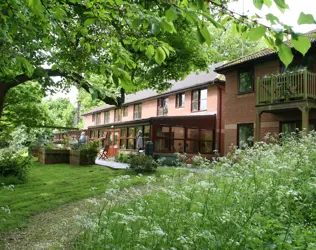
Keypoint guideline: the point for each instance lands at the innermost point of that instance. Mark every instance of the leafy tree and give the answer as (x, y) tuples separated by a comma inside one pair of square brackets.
[(132, 44), (229, 46), (24, 106), (61, 111)]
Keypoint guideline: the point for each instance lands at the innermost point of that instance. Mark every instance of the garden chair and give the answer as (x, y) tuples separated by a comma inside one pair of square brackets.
[(104, 153)]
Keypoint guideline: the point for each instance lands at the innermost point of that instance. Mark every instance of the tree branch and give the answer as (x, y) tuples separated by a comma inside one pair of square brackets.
[(80, 80)]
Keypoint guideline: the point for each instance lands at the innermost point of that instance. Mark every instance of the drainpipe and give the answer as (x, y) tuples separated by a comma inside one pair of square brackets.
[(220, 120)]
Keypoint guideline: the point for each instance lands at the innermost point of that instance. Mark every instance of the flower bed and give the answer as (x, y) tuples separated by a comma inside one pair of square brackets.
[(53, 156), (80, 157)]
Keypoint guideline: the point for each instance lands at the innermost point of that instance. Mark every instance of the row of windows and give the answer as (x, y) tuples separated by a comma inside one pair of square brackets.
[(199, 103), (180, 139), (118, 113)]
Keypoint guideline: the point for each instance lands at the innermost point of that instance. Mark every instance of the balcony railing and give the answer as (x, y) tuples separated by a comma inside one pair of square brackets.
[(289, 86)]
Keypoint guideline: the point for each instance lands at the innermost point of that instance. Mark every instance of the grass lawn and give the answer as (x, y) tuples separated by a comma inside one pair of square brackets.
[(50, 186)]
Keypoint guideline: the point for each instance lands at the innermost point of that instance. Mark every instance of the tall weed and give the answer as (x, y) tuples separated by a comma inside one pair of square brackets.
[(263, 197)]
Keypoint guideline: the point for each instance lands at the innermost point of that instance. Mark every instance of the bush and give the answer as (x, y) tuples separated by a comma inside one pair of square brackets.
[(124, 158), (143, 163), (92, 148), (14, 165)]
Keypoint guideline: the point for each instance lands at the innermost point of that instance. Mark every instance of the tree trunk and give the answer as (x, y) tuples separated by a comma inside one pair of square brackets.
[(3, 92)]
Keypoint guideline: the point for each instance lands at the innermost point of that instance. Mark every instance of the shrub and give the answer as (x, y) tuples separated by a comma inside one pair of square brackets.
[(124, 158), (14, 166), (143, 163), (92, 148)]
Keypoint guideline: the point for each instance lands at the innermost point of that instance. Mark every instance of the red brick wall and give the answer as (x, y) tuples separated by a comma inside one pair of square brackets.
[(149, 108), (241, 108)]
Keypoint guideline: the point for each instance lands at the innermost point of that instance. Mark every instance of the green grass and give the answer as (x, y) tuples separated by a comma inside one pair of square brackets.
[(50, 186)]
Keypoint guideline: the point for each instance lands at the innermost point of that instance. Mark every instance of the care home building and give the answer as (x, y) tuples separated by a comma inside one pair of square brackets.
[(241, 99), (262, 95), (186, 118)]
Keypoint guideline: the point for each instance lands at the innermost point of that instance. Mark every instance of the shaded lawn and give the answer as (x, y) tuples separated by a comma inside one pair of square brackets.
[(50, 186)]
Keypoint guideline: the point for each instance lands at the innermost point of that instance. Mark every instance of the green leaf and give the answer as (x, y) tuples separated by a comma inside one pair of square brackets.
[(55, 66), (301, 44), (171, 14), (26, 65), (268, 3), (285, 54), (257, 33), (212, 20), (160, 55), (281, 4), (272, 18), (200, 4), (205, 33), (36, 6), (200, 38), (305, 19), (167, 26), (258, 4), (88, 22), (150, 51)]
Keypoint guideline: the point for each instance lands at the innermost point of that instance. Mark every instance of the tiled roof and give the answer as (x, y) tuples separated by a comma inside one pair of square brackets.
[(191, 81), (260, 54)]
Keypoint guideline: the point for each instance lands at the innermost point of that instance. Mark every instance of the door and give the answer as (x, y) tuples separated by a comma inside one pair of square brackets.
[(113, 141)]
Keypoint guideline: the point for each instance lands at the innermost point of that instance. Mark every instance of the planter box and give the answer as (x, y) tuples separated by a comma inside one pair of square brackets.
[(34, 151), (53, 156), (79, 157)]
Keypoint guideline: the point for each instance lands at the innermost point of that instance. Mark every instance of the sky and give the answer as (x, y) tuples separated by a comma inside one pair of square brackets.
[(289, 17)]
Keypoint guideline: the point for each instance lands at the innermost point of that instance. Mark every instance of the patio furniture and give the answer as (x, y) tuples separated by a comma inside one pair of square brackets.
[(104, 153)]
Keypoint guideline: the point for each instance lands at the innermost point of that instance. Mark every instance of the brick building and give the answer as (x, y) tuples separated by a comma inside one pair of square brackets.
[(263, 96), (186, 118), (247, 97)]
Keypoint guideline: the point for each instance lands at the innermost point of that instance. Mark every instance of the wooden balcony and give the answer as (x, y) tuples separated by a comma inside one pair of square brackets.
[(286, 88)]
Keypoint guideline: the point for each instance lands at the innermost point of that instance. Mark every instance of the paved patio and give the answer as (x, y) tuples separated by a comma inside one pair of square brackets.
[(111, 164)]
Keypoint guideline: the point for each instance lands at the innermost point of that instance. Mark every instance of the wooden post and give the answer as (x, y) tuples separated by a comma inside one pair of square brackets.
[(305, 83), (305, 120), (272, 89), (258, 126), (258, 90)]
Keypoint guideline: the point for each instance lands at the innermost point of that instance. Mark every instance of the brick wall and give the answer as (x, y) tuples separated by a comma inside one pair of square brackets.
[(241, 108), (149, 108)]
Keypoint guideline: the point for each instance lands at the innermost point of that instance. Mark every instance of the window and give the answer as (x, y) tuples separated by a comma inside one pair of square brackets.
[(245, 81), (93, 117), (245, 135), (177, 135), (192, 142), (162, 106), (180, 99), (206, 141), (123, 138), (137, 111), (98, 118), (162, 143), (288, 128), (106, 116), (180, 139), (117, 115), (199, 100), (125, 111)]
